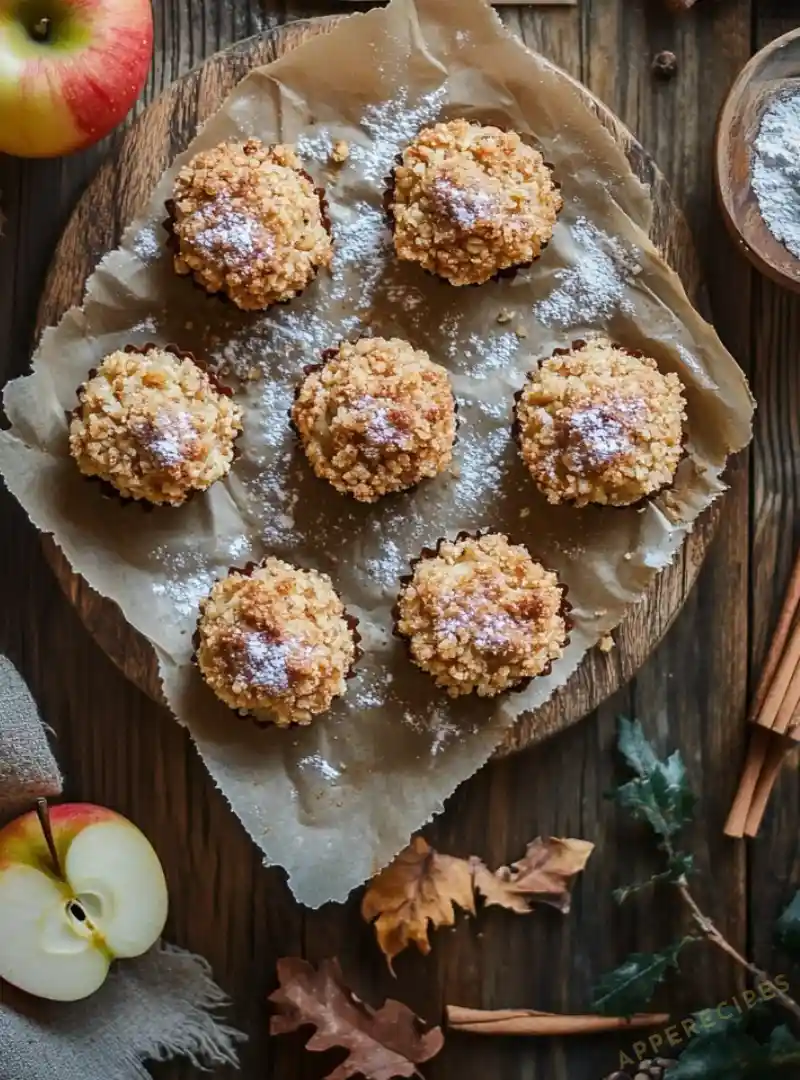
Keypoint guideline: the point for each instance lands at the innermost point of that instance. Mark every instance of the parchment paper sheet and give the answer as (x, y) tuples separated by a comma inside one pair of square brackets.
[(334, 802)]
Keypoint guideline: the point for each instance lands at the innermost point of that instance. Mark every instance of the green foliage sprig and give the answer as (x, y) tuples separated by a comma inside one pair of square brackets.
[(659, 795)]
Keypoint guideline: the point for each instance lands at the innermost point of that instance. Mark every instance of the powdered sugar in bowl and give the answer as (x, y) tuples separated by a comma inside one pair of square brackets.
[(757, 160)]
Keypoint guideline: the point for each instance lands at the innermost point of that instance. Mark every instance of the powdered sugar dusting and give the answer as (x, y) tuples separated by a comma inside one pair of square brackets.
[(594, 288), (469, 620), (775, 176), (168, 439), (381, 424), (147, 244), (391, 125), (317, 144), (218, 228), (594, 435), (264, 662), (317, 763), (466, 207), (190, 577)]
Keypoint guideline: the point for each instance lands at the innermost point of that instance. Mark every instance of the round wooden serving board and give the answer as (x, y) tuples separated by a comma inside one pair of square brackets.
[(119, 191)]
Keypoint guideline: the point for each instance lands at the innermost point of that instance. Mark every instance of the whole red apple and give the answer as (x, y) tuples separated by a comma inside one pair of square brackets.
[(70, 70)]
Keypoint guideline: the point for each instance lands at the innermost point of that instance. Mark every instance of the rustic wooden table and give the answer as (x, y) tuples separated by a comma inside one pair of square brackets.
[(118, 748)]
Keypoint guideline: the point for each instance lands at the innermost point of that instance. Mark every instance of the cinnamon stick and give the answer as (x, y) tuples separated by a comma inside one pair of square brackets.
[(531, 1022), (770, 771), (757, 752), (783, 628), (784, 693), (760, 740)]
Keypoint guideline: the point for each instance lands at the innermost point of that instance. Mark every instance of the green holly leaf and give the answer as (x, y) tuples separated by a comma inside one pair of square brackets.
[(718, 1055), (784, 1049), (787, 928), (660, 793), (629, 988), (722, 1050), (635, 747)]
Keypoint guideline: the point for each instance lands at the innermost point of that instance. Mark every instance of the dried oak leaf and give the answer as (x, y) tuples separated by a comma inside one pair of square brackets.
[(544, 875), (422, 887), (382, 1043), (419, 887)]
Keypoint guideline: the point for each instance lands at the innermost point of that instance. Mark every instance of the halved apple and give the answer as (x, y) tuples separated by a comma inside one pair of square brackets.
[(64, 919)]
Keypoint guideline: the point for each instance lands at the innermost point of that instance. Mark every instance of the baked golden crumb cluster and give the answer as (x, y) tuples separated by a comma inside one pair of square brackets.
[(154, 426), (482, 616), (250, 223), (376, 417), (469, 201), (275, 641), (598, 424)]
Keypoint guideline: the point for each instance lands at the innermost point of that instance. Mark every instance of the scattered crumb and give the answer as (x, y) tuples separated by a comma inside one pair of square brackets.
[(504, 316), (188, 325), (525, 512), (521, 332), (628, 556), (606, 643), (340, 152)]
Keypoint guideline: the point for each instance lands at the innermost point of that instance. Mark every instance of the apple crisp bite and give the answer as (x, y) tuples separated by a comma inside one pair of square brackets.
[(275, 640), (247, 221), (469, 201), (376, 417), (597, 423), (481, 615), (154, 425)]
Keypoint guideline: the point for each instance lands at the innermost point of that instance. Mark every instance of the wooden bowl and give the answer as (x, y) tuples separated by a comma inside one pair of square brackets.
[(771, 71)]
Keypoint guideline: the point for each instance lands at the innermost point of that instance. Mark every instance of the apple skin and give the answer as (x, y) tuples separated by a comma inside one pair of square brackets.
[(112, 878), (65, 93), (22, 842)]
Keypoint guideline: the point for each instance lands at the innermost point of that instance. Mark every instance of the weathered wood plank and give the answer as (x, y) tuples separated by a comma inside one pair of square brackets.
[(118, 747), (774, 859)]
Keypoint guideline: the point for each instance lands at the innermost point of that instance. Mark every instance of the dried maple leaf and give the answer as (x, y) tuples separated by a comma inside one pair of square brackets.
[(382, 1043), (419, 887), (544, 875), (422, 887)]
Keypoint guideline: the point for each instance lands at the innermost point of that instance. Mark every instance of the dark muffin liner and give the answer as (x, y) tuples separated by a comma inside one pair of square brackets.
[(174, 247), (245, 714), (432, 553), (107, 489), (516, 433), (309, 369), (506, 274)]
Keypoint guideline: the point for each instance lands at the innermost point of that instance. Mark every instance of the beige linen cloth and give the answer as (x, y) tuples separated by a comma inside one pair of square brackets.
[(161, 1006)]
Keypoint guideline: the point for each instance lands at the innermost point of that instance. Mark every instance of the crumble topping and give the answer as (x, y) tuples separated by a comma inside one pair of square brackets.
[(482, 616), (275, 641), (598, 424), (250, 223), (154, 426), (469, 201), (377, 417)]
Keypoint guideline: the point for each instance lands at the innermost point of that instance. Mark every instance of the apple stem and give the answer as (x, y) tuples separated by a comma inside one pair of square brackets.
[(43, 813)]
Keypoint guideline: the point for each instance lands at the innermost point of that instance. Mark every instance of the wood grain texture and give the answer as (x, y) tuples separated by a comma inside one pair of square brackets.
[(119, 192), (775, 862), (118, 748)]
